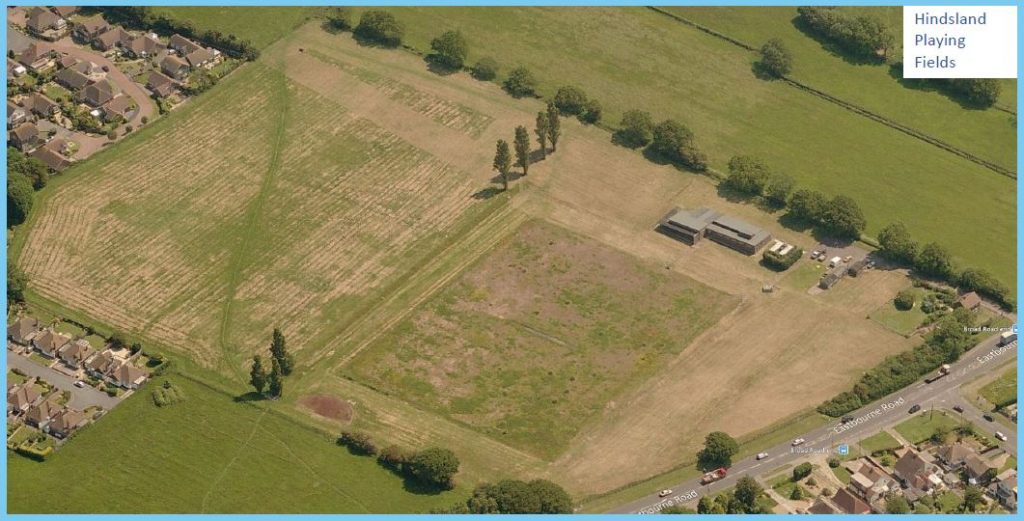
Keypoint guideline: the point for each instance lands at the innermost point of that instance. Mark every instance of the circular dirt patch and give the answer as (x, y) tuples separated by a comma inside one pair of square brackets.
[(328, 407)]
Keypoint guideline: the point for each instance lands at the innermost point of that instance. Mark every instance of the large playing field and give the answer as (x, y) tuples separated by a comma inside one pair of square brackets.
[(344, 193), (207, 454)]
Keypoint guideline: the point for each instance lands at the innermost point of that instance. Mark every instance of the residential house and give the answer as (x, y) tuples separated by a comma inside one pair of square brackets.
[(66, 61), (90, 69), (160, 85), (98, 365), (24, 137), (46, 24), (953, 456), (1006, 489), (183, 46), (823, 505), (917, 471), (128, 376), (87, 30), (174, 67), (65, 422), (75, 353), (20, 398), (64, 11), (97, 93), (969, 300), (35, 58), (72, 79), (143, 46), (22, 330), (120, 106), (979, 468), (39, 415), (871, 483), (115, 37), (41, 105), (15, 69), (15, 114), (50, 342), (50, 157), (199, 58), (849, 503)]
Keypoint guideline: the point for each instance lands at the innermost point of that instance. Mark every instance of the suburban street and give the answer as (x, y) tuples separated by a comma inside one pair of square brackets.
[(81, 397), (887, 412)]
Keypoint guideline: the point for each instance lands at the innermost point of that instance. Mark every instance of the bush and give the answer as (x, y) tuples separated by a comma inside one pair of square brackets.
[(905, 300), (775, 58), (393, 457), (145, 119), (778, 262), (520, 82), (167, 394), (637, 128), (748, 175), (801, 471), (380, 27), (434, 466), (450, 50), (592, 112), (674, 141), (570, 100), (112, 134), (128, 129), (358, 442), (485, 69), (339, 18), (861, 36)]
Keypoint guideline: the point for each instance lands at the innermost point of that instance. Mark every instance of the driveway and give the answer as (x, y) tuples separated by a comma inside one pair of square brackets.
[(129, 87), (81, 398)]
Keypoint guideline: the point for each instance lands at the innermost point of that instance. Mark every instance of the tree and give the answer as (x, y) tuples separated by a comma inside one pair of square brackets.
[(797, 494), (280, 353), (275, 380), (19, 199), (973, 496), (981, 92), (522, 146), (637, 128), (778, 189), (513, 496), (450, 49), (381, 27), (674, 142), (358, 442), (393, 457), (775, 58), (844, 218), (552, 499), (542, 133), (570, 100), (32, 168), (934, 261), (258, 374), (748, 175), (801, 471), (896, 243), (747, 492), (592, 112), (554, 126), (896, 504), (485, 69), (678, 509), (17, 281), (339, 18), (807, 205), (904, 300), (503, 162), (520, 82), (719, 448), (435, 466), (708, 505)]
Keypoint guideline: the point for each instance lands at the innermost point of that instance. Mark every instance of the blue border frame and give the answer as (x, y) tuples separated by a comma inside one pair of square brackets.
[(730, 3)]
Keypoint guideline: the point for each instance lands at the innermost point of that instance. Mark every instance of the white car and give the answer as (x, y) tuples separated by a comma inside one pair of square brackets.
[(814, 254), (798, 441), (1001, 436), (79, 384), (665, 492), (762, 455)]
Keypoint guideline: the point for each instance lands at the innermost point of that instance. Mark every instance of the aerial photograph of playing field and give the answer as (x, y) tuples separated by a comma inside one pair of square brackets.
[(504, 260)]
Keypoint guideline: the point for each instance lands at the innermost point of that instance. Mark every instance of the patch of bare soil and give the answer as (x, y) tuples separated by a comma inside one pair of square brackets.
[(329, 407)]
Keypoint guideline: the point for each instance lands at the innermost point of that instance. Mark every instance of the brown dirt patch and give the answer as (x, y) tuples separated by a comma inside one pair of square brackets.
[(329, 407)]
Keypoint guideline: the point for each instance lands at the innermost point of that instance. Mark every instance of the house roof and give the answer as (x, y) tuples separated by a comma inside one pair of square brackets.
[(40, 103), (182, 44), (25, 132), (50, 157), (67, 61), (955, 453), (113, 37), (160, 83), (31, 53), (127, 374), (40, 19), (910, 464), (42, 412), (172, 63), (977, 465), (87, 67), (823, 506), (144, 44), (98, 93), (65, 11), (969, 300), (66, 420), (198, 57), (22, 328), (22, 396), (76, 351), (99, 361), (849, 503), (72, 78), (118, 106), (50, 340), (93, 25)]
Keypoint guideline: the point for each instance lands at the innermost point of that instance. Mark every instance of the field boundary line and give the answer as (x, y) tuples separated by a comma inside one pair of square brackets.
[(856, 109), (238, 452)]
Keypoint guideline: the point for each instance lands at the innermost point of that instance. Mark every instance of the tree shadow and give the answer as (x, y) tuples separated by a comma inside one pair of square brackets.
[(619, 138), (537, 156), (363, 41), (512, 177), (486, 193), (762, 72), (940, 86), (833, 48), (792, 222), (441, 69), (251, 396)]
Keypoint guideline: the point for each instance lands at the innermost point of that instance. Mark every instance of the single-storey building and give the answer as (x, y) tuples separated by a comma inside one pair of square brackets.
[(115, 37), (690, 226), (65, 422), (143, 46), (22, 330), (64, 11), (50, 342), (128, 376), (969, 300), (46, 24), (98, 365), (119, 106), (88, 29), (174, 67), (199, 57), (24, 137), (183, 46), (98, 93), (76, 353), (72, 79), (41, 104), (39, 415), (35, 58), (20, 398), (160, 85), (50, 157), (850, 503)]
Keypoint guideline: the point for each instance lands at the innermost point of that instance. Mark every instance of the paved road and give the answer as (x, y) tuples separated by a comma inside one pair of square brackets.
[(867, 421), (81, 398)]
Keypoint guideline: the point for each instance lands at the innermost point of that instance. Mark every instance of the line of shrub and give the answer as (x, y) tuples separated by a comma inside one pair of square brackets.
[(143, 18), (862, 36), (434, 467), (778, 262)]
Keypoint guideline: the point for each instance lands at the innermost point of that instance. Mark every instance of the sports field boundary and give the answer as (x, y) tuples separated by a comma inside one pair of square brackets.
[(856, 109)]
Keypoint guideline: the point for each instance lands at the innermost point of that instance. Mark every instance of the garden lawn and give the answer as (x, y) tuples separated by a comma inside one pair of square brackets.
[(879, 442), (904, 322), (206, 454), (921, 427)]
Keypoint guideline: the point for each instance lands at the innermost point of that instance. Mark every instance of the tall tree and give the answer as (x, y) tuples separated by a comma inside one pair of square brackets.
[(450, 49), (435, 466), (896, 243), (542, 133), (280, 353), (503, 162), (719, 448), (522, 146), (19, 199), (775, 58), (637, 128), (554, 126), (276, 380), (747, 492), (258, 374), (844, 218)]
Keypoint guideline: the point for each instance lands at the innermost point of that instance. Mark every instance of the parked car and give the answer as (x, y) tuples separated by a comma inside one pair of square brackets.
[(761, 455), (914, 409), (814, 254), (988, 417), (80, 384), (958, 409), (847, 419), (1001, 436), (798, 441), (665, 492)]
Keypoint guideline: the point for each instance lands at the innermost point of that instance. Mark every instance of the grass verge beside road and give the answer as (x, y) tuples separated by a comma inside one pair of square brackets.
[(924, 425)]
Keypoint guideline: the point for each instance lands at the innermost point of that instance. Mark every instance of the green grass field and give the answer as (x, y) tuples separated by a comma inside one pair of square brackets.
[(1003, 390), (261, 25), (879, 442), (922, 426), (904, 322), (891, 175), (207, 454), (516, 346)]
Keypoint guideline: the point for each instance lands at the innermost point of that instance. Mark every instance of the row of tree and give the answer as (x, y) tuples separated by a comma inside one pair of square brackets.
[(145, 18), (547, 129), (512, 496), (944, 344), (25, 175), (669, 140), (743, 499), (933, 260), (434, 467), (976, 92), (864, 37), (281, 364)]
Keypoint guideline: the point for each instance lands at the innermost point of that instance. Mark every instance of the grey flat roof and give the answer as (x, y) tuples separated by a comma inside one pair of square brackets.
[(740, 226), (694, 219)]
